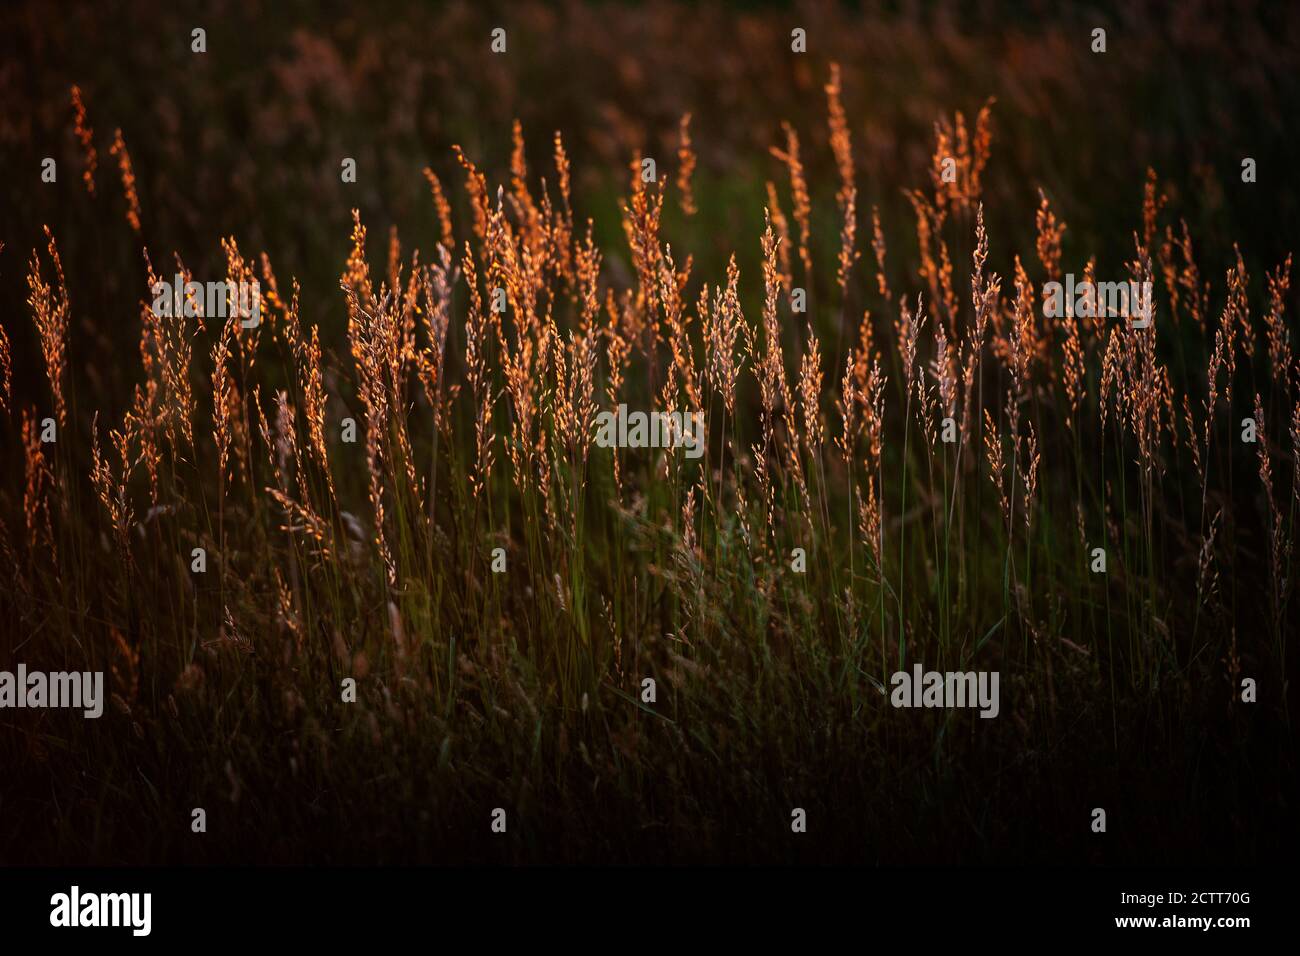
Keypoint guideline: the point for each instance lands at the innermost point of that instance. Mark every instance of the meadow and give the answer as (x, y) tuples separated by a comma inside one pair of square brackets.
[(358, 574)]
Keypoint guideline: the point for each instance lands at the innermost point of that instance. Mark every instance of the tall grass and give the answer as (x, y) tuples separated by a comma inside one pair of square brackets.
[(500, 587)]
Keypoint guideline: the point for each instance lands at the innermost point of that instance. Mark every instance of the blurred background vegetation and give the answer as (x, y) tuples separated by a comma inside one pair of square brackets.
[(246, 140)]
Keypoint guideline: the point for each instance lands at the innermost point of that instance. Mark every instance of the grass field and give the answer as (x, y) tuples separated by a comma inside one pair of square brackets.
[(840, 258)]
